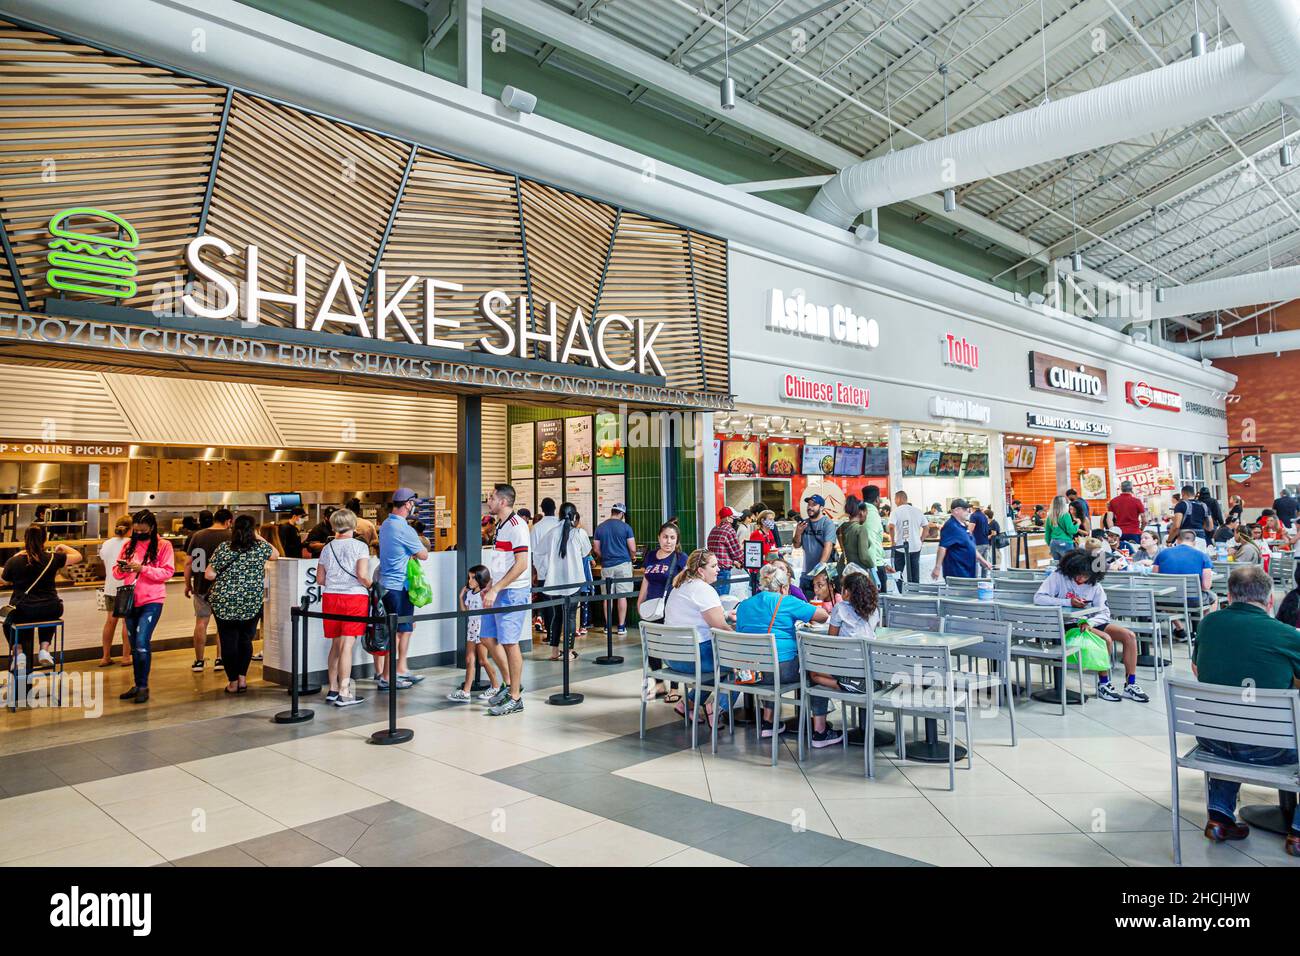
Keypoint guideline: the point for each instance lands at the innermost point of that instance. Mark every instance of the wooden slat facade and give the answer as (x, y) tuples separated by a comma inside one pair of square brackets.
[(83, 127)]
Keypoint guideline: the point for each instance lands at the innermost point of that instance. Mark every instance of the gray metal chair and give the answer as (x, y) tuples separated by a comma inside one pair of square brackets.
[(750, 652), (1014, 588), (1262, 718), (1135, 608), (1017, 574), (1281, 568), (1039, 635), (1183, 605), (673, 644), (924, 679), (906, 604), (933, 588), (919, 622), (961, 586), (842, 658), (967, 607), (995, 648)]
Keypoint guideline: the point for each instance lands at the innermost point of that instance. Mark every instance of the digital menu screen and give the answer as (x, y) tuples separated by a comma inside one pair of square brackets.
[(740, 458), (977, 465), (782, 459), (949, 464), (875, 461), (818, 459), (909, 463), (848, 461), (927, 463)]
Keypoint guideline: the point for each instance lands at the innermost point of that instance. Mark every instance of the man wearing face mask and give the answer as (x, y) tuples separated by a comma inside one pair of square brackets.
[(725, 545), (816, 535), (957, 557), (291, 533)]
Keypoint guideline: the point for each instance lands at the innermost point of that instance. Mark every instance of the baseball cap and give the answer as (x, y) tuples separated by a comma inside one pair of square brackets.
[(402, 495), (619, 507), (958, 503), (727, 512), (817, 500), (1126, 486)]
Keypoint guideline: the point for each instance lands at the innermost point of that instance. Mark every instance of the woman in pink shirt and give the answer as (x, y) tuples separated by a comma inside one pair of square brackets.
[(147, 562)]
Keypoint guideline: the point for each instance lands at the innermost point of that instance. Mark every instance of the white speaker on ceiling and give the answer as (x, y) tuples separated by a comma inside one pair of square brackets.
[(519, 100)]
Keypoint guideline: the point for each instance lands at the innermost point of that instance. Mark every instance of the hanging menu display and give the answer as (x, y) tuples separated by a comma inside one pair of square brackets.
[(577, 491), (577, 446), (552, 488), (609, 445), (521, 452), (609, 492), (550, 449)]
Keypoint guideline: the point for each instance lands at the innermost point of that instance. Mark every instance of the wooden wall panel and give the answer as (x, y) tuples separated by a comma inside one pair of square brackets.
[(289, 182), (568, 240), (458, 222), (79, 127), (710, 259)]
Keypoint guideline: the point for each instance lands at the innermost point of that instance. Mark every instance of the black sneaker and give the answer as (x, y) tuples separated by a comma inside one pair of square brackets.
[(767, 729), (197, 666), (332, 697), (129, 695), (216, 663), (853, 685), (827, 737), (348, 700), (141, 696), (1107, 691)]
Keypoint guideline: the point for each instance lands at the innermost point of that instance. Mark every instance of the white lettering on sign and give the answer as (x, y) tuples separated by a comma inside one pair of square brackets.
[(830, 393), (959, 352), (962, 409), (835, 323), (1148, 396), (1066, 423), (1074, 380), (78, 451), (342, 305)]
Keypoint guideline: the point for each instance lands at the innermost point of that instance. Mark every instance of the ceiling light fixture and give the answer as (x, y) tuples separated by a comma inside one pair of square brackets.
[(728, 89), (1199, 42), (1284, 156)]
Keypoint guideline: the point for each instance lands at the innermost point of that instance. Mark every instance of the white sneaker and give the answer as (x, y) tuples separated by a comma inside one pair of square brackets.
[(487, 695), (460, 696), (45, 657)]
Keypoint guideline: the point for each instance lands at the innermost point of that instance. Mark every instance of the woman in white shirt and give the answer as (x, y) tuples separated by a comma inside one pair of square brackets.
[(856, 617), (694, 603), (109, 552), (561, 549), (344, 573)]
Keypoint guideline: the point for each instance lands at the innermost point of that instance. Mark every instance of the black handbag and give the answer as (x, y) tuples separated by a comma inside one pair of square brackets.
[(1000, 541), (123, 600), (376, 639)]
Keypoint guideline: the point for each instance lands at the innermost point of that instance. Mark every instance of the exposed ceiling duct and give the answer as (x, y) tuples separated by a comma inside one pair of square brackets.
[(1238, 345), (1172, 96), (1231, 292)]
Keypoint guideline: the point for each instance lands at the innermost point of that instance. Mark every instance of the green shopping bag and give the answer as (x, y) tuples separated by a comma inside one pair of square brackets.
[(1092, 647), (417, 586)]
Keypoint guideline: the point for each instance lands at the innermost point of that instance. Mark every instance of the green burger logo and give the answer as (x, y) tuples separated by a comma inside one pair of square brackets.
[(90, 262)]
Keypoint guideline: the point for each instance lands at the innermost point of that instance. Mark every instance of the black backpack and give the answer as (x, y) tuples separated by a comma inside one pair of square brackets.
[(376, 640)]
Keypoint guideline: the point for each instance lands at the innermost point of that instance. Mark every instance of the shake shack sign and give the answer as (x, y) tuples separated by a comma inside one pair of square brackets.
[(1048, 373)]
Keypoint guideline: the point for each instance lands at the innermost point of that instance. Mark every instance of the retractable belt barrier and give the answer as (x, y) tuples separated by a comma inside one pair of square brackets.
[(298, 682)]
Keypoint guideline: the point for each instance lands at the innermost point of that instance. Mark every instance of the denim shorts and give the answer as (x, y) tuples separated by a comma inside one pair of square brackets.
[(399, 603), (507, 628)]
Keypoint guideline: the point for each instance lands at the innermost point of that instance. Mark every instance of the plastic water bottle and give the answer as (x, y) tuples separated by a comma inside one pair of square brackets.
[(984, 589)]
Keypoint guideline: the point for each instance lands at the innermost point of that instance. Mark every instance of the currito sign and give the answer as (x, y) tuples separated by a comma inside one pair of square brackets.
[(1048, 373), (800, 389), (959, 352), (1148, 396)]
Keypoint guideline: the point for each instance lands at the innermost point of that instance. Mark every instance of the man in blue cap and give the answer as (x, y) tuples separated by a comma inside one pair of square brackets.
[(816, 535), (398, 543)]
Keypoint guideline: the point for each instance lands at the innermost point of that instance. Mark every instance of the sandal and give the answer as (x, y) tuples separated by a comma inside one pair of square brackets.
[(107, 663), (671, 698), (227, 690)]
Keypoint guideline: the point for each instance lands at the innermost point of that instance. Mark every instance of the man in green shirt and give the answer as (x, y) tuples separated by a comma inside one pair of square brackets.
[(856, 549), (1243, 645), (875, 531)]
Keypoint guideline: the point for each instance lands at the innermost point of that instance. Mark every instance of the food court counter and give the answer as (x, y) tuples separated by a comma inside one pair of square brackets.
[(290, 579)]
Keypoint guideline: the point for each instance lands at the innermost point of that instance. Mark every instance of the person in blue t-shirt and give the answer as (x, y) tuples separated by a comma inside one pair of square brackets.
[(957, 557), (614, 543), (979, 529), (1186, 558), (398, 543), (774, 610)]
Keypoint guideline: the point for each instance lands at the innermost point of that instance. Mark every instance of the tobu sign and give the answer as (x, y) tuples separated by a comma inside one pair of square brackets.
[(802, 389), (959, 352), (1147, 396), (508, 334), (1051, 374)]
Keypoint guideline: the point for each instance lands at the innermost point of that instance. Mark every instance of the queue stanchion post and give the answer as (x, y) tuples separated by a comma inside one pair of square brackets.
[(609, 657), (294, 715), (566, 697), (308, 688), (394, 734)]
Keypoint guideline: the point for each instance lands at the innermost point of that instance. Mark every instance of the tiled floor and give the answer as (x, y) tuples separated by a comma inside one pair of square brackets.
[(576, 786)]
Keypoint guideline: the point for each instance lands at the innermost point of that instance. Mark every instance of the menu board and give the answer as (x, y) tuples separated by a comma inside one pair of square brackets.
[(977, 465), (577, 446), (552, 488), (909, 463), (875, 461), (578, 492), (521, 452), (949, 464), (1011, 456), (818, 460), (524, 493), (609, 492), (1147, 480), (1028, 456), (782, 459), (927, 462), (1092, 483), (609, 446), (848, 461), (550, 449), (740, 458)]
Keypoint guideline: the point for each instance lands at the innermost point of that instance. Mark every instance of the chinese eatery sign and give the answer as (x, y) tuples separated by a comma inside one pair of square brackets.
[(802, 389)]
